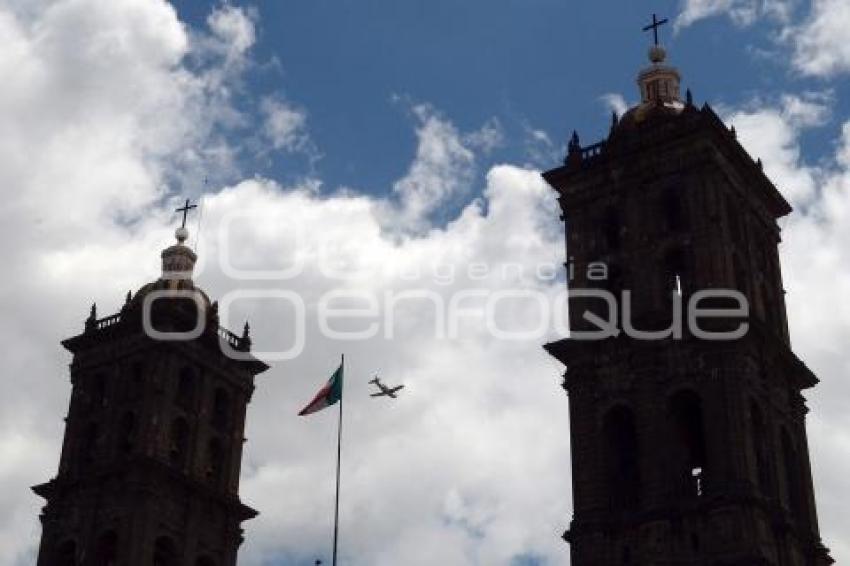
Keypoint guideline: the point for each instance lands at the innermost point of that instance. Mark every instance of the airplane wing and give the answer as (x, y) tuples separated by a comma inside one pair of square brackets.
[(377, 394)]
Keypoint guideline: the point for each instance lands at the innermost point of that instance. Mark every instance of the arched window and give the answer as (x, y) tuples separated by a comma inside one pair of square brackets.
[(612, 226), (769, 306), (66, 554), (675, 278), (127, 433), (760, 448), (675, 268), (742, 278), (689, 456), (98, 391), (107, 550), (91, 443), (793, 477), (185, 396), (622, 462), (179, 448), (221, 409), (215, 462), (164, 552), (615, 282), (673, 211), (733, 216), (138, 380)]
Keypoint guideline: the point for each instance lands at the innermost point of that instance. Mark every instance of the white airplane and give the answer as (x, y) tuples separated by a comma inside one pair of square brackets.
[(384, 390)]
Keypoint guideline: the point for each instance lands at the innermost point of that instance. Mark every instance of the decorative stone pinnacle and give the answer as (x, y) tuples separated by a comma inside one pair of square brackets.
[(91, 321), (657, 54), (245, 341)]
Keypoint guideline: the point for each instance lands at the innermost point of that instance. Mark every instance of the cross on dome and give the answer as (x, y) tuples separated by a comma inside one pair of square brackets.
[(185, 210), (656, 23), (182, 234)]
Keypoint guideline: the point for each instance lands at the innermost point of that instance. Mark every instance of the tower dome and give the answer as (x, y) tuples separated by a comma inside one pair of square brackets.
[(660, 92), (659, 83), (178, 264)]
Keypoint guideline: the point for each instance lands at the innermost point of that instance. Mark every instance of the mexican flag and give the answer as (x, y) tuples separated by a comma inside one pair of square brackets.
[(327, 395)]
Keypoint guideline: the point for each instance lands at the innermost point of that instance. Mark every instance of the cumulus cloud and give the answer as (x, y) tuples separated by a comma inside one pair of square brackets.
[(233, 27), (819, 44), (809, 109), (474, 485), (488, 137), (742, 12), (540, 151), (822, 40), (284, 125), (615, 102), (102, 124), (771, 133), (442, 171)]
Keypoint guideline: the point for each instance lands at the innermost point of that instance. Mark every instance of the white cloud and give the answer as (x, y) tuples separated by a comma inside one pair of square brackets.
[(822, 41), (442, 171), (540, 150), (809, 109), (615, 102), (94, 138), (741, 12), (477, 476), (771, 132), (103, 113), (820, 44), (487, 138), (234, 28), (284, 124)]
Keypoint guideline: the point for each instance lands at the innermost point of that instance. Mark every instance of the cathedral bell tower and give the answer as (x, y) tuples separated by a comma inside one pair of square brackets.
[(149, 471), (685, 450)]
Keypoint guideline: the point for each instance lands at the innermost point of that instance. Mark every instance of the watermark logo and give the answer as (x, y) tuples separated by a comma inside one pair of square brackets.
[(353, 296)]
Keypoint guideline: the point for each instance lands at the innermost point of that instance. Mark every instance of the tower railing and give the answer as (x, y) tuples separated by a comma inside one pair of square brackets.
[(101, 324), (229, 337), (108, 321), (592, 151)]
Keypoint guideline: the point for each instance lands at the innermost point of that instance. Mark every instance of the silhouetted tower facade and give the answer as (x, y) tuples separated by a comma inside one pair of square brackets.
[(149, 471), (685, 451)]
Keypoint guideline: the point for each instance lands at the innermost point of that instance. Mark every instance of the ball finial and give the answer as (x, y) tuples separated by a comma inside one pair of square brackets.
[(657, 54), (182, 234)]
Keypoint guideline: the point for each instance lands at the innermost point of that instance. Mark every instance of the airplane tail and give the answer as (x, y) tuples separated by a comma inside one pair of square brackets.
[(374, 380)]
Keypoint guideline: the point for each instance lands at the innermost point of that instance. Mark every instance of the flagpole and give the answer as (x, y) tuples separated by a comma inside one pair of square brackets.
[(338, 459)]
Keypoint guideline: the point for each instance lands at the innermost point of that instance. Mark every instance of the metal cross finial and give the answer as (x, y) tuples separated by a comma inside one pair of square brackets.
[(185, 210), (656, 23)]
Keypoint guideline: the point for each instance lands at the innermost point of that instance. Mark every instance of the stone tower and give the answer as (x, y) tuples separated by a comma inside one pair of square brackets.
[(686, 450), (149, 471)]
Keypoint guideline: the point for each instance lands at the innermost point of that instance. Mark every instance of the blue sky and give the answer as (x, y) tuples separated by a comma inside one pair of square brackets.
[(356, 66)]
